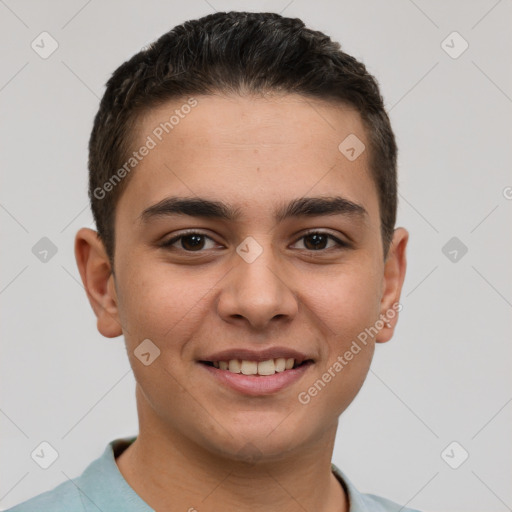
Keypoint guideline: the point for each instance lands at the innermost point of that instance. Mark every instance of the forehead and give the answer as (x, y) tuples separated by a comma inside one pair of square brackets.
[(250, 152), (253, 120)]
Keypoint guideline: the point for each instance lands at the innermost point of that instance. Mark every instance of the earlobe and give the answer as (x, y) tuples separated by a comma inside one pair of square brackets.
[(393, 280), (98, 280)]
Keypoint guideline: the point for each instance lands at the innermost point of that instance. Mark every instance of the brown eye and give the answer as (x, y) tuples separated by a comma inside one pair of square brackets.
[(316, 241), (190, 242)]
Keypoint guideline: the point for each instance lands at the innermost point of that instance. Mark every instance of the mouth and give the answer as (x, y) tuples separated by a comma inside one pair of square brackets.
[(256, 378), (264, 368)]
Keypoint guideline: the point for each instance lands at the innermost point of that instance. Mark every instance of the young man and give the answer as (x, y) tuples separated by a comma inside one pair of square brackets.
[(243, 184)]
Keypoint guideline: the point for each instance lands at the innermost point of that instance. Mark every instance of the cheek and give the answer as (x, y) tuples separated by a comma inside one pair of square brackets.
[(349, 306), (350, 301), (162, 303)]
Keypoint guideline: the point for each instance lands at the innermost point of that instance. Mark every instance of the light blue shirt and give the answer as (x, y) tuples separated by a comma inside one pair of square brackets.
[(102, 487)]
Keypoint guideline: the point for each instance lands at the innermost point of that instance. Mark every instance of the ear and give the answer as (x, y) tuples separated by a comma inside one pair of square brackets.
[(98, 280), (393, 279)]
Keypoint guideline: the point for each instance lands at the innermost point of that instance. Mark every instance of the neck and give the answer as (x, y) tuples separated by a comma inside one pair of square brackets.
[(170, 471)]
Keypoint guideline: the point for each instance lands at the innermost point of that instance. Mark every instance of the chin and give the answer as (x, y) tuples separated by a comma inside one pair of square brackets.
[(260, 441)]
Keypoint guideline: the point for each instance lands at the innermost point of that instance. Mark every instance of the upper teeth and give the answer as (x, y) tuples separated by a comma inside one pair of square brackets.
[(268, 367)]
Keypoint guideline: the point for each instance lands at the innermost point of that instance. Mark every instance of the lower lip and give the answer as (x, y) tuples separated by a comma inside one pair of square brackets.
[(255, 385)]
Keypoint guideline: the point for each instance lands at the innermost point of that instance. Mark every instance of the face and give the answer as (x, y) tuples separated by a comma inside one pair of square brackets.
[(247, 277)]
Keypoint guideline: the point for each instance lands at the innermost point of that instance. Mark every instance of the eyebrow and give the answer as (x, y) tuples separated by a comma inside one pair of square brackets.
[(208, 209)]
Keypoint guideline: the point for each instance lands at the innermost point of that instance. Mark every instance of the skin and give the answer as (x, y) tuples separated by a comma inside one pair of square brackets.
[(201, 444)]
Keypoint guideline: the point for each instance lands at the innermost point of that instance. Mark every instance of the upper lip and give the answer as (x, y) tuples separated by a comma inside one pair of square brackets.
[(258, 356)]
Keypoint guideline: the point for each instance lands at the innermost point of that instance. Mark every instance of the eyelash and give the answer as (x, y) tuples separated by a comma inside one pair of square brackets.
[(340, 244)]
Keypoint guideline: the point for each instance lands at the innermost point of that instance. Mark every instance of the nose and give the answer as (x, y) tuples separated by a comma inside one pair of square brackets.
[(258, 293)]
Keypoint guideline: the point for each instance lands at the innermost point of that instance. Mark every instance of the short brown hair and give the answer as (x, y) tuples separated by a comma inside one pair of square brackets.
[(241, 53)]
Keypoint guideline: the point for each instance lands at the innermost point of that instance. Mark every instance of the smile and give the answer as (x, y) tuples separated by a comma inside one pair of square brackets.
[(262, 368), (243, 376)]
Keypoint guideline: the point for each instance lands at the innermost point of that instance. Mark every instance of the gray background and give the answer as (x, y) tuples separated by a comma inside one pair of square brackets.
[(444, 377)]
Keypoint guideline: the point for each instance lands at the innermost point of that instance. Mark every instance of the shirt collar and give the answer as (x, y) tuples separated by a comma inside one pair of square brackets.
[(356, 501), (103, 487)]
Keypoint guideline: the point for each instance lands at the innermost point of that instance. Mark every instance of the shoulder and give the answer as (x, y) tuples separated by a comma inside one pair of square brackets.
[(379, 504), (360, 502), (100, 487), (63, 498)]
